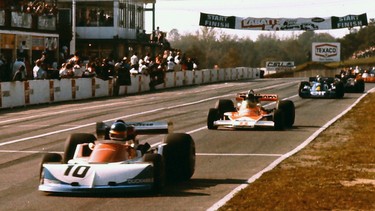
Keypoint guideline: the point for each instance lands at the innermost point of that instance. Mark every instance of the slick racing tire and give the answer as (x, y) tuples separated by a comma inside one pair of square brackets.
[(49, 158), (278, 119), (301, 86), (158, 169), (179, 157), (287, 106), (224, 105), (73, 140), (360, 86), (340, 89), (213, 115)]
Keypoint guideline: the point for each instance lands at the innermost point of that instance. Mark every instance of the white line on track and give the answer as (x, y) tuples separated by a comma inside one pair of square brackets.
[(226, 198)]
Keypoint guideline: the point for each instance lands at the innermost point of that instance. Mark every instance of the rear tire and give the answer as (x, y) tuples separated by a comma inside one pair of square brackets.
[(360, 86), (179, 156), (340, 90), (73, 140), (224, 105)]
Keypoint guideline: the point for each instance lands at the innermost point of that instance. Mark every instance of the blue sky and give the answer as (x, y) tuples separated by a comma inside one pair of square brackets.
[(183, 15)]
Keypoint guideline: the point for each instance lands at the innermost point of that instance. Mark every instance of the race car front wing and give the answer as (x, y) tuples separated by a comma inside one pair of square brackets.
[(244, 123), (79, 178)]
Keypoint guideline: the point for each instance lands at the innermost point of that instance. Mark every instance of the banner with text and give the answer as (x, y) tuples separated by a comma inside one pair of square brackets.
[(282, 24)]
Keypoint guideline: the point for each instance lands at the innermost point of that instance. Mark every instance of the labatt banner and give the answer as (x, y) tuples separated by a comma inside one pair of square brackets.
[(283, 24)]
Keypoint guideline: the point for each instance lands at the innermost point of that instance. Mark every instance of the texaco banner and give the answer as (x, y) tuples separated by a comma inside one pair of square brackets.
[(282, 24)]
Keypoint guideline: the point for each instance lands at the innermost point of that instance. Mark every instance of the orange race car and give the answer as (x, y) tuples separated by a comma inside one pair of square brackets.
[(249, 112), (369, 76)]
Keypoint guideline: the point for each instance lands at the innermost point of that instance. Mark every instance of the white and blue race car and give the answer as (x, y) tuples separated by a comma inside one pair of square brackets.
[(92, 164)]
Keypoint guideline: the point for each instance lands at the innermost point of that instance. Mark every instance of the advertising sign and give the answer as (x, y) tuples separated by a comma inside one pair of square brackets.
[(279, 65), (326, 52)]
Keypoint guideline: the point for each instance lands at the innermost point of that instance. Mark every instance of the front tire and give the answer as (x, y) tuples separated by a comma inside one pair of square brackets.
[(301, 91), (213, 115), (48, 158), (287, 106), (158, 171), (179, 156), (278, 119)]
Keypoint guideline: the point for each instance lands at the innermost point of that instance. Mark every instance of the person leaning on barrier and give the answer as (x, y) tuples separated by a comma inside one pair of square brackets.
[(66, 70), (20, 74), (38, 71)]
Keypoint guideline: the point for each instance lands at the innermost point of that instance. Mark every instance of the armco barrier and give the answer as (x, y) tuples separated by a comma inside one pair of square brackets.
[(17, 93)]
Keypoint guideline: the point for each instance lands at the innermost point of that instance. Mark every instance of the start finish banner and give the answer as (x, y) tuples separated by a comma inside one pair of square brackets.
[(283, 24)]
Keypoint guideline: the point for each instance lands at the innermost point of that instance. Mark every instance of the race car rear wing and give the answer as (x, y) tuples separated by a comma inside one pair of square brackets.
[(260, 97), (322, 79), (141, 128)]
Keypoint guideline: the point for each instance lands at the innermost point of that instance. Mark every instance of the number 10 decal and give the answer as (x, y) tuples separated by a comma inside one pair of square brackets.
[(79, 171)]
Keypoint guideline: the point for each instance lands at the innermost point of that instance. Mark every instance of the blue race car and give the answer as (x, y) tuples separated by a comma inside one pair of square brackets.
[(321, 87)]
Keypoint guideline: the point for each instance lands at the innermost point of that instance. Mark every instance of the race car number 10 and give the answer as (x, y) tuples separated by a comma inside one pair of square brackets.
[(78, 171)]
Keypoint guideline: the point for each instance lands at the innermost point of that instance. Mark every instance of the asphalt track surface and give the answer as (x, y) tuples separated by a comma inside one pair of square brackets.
[(226, 159)]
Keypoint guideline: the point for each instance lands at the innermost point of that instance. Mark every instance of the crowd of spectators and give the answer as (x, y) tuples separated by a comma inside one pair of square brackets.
[(369, 52), (78, 66), (354, 71)]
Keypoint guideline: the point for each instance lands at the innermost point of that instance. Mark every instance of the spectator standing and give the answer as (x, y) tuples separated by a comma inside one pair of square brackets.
[(76, 59), (147, 58), (67, 70), (37, 70), (177, 58), (89, 70), (134, 61), (20, 74), (108, 69), (2, 68), (17, 64), (124, 72), (170, 65), (155, 35), (189, 64), (64, 55), (143, 69), (23, 49)]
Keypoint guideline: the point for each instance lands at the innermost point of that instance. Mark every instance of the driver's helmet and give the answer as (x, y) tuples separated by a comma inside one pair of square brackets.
[(251, 97), (118, 131), (317, 88)]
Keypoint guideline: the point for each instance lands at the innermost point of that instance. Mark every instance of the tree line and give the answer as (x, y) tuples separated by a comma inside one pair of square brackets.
[(210, 47)]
